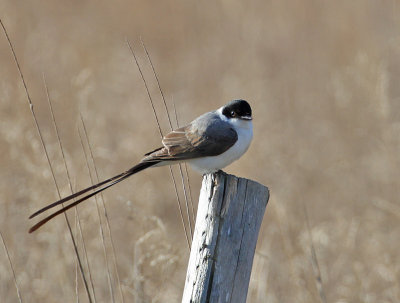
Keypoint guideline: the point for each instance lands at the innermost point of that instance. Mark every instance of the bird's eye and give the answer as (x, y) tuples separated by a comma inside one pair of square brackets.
[(233, 114)]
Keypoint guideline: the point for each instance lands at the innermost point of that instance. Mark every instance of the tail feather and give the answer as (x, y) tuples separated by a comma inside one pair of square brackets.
[(79, 193), (114, 180)]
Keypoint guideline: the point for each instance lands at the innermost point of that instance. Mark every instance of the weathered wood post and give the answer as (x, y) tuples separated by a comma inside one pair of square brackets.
[(228, 220)]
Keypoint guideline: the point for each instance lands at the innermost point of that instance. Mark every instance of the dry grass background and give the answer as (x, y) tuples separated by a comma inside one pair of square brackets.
[(323, 80)]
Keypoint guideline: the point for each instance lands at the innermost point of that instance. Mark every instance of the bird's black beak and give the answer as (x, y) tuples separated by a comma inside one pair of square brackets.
[(246, 118)]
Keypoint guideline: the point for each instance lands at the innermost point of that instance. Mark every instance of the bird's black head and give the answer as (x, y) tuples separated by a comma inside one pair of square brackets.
[(237, 109)]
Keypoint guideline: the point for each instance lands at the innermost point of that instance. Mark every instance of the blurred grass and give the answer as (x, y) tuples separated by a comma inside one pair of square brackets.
[(322, 78)]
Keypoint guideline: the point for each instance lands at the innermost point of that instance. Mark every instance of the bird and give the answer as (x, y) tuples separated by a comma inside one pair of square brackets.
[(209, 143)]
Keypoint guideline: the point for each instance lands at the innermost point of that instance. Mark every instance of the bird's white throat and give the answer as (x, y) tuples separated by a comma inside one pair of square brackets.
[(244, 130)]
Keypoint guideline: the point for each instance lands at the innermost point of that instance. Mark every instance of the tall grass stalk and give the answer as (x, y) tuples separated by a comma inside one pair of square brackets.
[(108, 226), (170, 124), (11, 267), (47, 157), (161, 134), (60, 145)]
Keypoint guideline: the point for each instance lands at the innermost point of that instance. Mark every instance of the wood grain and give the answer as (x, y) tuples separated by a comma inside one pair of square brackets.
[(228, 220)]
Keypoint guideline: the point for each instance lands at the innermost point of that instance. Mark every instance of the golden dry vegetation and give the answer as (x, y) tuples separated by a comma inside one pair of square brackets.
[(323, 80)]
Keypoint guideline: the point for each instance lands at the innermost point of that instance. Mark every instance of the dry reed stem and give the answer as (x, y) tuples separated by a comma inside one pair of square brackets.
[(12, 267), (179, 206), (47, 156), (190, 193), (158, 81), (170, 124), (85, 252), (60, 145), (161, 133), (187, 174), (114, 255), (100, 221), (183, 180), (146, 86)]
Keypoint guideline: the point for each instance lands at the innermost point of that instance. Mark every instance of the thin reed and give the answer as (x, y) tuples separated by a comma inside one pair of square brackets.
[(47, 158)]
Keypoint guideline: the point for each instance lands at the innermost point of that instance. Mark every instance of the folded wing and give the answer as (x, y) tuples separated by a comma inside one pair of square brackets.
[(202, 138)]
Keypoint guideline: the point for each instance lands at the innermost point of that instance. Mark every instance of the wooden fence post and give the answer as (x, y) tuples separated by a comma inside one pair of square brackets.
[(228, 220)]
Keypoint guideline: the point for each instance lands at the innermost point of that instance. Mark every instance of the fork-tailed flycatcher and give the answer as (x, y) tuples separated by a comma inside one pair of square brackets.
[(209, 143)]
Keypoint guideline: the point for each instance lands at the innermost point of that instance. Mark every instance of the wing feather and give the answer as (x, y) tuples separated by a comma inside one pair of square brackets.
[(206, 136)]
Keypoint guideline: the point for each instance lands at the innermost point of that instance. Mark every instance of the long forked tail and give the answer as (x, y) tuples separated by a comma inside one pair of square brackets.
[(106, 184)]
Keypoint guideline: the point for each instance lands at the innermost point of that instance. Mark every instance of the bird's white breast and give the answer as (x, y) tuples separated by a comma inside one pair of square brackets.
[(244, 129)]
